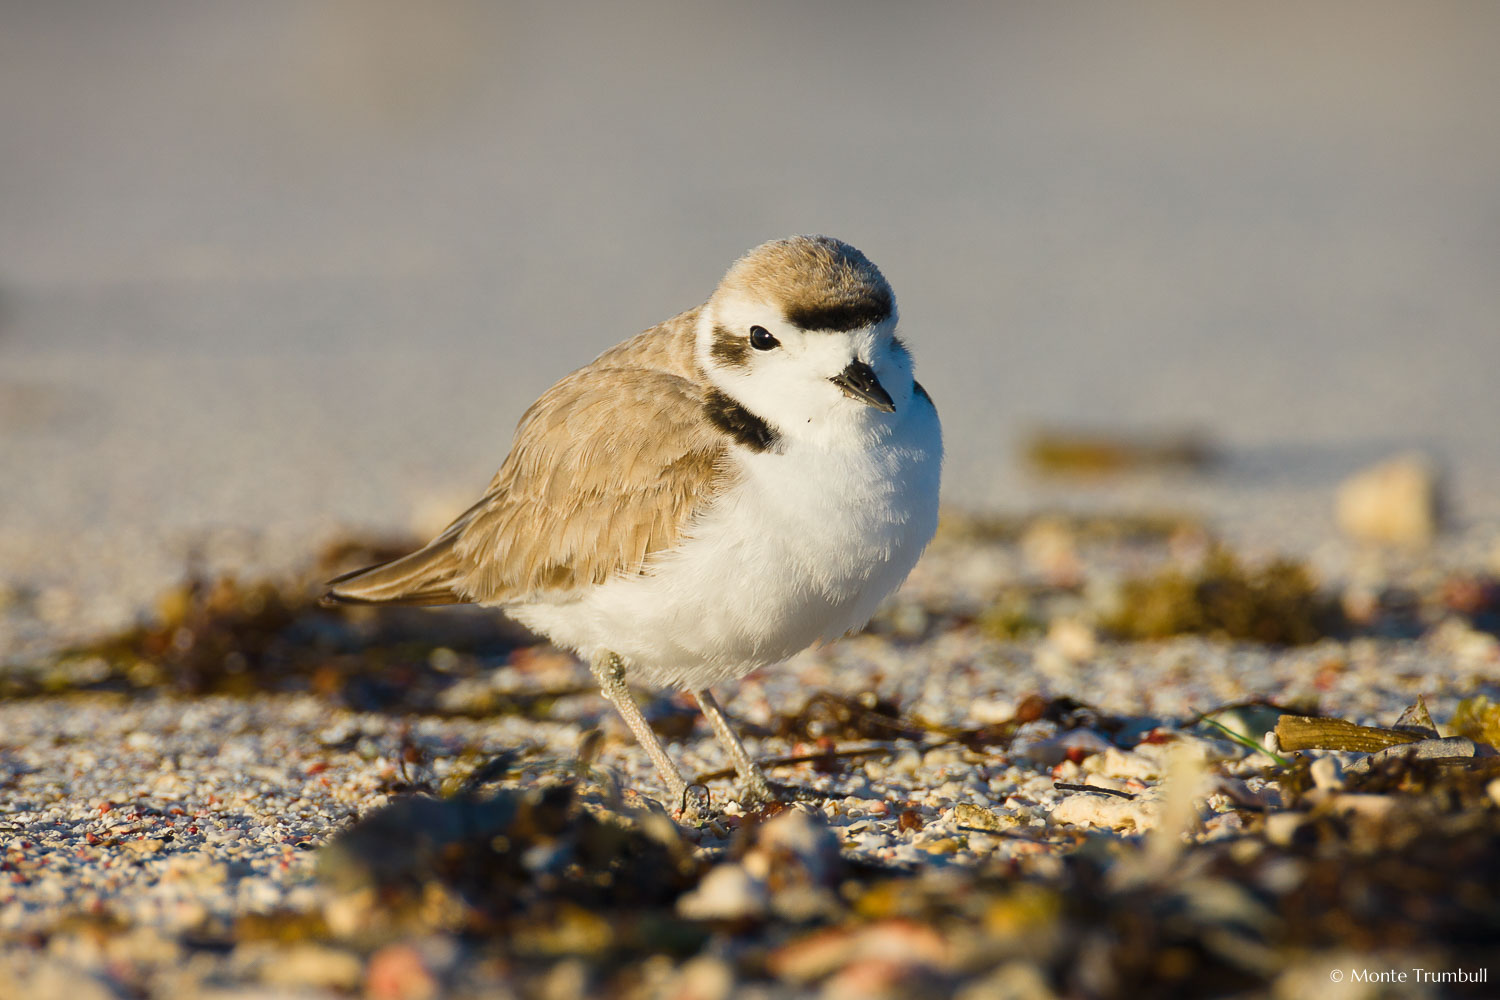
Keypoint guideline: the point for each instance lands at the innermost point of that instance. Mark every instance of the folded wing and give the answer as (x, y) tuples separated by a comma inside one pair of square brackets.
[(609, 466)]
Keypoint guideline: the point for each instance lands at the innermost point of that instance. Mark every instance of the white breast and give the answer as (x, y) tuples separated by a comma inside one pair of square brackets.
[(804, 548)]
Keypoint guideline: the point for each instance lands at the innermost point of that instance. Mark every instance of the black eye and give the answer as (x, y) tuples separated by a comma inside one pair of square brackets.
[(761, 339)]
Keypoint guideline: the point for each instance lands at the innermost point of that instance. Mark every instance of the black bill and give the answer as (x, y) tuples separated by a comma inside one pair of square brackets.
[(859, 382)]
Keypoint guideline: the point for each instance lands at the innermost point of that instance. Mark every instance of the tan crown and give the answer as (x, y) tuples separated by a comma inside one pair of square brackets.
[(821, 283)]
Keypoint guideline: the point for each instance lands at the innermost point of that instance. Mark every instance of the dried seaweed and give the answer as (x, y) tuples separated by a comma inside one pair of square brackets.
[(1067, 713), (1228, 919), (1275, 604), (1019, 611), (826, 761), (497, 857), (227, 637), (826, 715), (1296, 732), (1086, 528), (1094, 453), (1477, 718)]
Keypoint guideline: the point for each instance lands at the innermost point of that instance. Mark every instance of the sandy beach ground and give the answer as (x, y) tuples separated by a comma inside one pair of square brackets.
[(280, 273)]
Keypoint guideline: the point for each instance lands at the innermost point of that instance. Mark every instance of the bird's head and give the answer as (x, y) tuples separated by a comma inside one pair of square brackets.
[(801, 332)]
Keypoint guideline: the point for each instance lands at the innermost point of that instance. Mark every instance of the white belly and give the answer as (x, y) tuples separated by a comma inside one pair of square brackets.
[(804, 548)]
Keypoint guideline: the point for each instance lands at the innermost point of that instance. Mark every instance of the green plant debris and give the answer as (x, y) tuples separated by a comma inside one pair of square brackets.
[(1244, 740)]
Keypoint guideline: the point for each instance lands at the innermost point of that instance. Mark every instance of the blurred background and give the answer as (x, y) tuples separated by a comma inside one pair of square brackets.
[(273, 271)]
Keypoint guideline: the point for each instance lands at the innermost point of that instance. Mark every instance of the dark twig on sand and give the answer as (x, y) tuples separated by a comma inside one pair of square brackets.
[(1065, 786)]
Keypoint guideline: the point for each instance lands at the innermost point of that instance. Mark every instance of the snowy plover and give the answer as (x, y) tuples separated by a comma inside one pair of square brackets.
[(708, 497)]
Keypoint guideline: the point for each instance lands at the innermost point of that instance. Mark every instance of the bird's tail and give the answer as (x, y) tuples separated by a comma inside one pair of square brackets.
[(426, 576)]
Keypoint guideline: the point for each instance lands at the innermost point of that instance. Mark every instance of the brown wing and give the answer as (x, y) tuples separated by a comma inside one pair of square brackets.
[(608, 467)]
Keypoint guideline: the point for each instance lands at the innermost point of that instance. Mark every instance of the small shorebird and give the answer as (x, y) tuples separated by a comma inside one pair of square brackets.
[(708, 497)]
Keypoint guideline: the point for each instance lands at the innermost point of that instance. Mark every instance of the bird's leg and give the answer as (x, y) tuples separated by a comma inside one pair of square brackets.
[(754, 788), (611, 675)]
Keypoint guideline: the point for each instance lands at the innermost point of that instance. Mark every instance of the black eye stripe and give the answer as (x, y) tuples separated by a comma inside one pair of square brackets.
[(761, 339)]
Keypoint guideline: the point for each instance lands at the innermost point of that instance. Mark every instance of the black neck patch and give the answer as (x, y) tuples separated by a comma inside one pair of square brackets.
[(738, 422), (842, 316)]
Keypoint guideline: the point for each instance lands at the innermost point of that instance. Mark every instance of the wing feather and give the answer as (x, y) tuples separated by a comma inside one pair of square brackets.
[(609, 467)]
